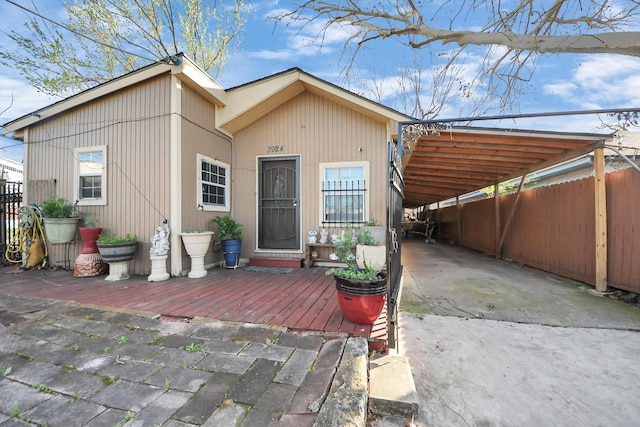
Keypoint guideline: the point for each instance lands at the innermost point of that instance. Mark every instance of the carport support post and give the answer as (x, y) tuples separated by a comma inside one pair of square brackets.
[(496, 195), (600, 220), (459, 219)]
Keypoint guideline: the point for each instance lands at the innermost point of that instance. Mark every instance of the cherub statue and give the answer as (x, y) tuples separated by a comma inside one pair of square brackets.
[(160, 241)]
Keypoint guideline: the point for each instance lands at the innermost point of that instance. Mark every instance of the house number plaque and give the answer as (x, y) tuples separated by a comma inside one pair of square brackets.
[(275, 148)]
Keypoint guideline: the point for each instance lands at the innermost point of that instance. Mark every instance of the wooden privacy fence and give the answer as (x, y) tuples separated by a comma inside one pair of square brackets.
[(553, 228)]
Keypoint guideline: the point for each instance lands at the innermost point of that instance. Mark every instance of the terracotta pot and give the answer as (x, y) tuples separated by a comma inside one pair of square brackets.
[(89, 237)]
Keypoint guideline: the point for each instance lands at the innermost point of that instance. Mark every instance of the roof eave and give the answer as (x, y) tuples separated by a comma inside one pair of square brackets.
[(185, 69), (254, 100)]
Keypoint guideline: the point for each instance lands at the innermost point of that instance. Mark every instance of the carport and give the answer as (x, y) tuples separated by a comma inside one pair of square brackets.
[(443, 162)]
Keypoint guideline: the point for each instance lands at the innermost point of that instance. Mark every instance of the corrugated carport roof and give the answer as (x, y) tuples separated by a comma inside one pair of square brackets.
[(456, 161)]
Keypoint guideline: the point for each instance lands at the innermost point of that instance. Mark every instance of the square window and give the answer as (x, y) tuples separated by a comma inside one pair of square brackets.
[(91, 175), (343, 193), (213, 192)]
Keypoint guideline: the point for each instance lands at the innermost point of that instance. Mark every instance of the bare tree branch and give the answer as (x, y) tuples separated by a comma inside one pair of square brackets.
[(512, 35)]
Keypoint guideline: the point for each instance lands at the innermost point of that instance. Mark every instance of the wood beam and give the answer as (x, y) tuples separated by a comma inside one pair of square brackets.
[(600, 220)]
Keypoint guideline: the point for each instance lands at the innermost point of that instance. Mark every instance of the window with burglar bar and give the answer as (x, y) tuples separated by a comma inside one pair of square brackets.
[(344, 193)]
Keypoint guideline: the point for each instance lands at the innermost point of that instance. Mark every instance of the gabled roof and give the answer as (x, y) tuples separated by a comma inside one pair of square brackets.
[(180, 65), (249, 102), (457, 161)]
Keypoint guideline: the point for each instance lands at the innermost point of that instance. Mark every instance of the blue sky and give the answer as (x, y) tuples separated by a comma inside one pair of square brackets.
[(561, 82)]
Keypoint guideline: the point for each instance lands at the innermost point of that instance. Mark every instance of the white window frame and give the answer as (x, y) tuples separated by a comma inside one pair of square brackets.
[(227, 186), (322, 171), (98, 201)]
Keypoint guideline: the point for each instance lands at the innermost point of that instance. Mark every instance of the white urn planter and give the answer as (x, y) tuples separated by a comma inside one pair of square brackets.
[(60, 230), (375, 256), (378, 232), (197, 245)]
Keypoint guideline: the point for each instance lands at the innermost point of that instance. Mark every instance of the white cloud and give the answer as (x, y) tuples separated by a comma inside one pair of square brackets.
[(20, 98), (600, 81), (564, 89)]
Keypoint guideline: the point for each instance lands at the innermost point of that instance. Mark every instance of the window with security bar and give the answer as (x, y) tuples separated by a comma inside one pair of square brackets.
[(344, 197)]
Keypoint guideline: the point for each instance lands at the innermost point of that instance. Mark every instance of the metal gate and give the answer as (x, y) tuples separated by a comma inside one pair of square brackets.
[(10, 202), (395, 196)]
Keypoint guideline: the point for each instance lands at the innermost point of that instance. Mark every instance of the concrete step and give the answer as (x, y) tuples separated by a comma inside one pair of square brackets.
[(392, 391)]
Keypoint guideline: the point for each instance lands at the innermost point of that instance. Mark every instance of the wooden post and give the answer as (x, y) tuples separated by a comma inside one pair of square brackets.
[(459, 219), (496, 195), (600, 220)]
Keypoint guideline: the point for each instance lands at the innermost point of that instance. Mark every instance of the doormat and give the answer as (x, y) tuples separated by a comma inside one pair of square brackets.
[(274, 270)]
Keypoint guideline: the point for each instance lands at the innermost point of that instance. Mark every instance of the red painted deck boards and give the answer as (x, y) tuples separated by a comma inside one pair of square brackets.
[(301, 299)]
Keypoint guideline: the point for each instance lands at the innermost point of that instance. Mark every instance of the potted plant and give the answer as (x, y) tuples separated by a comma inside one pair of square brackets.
[(361, 291), (230, 232), (370, 249), (378, 231), (89, 263), (117, 251), (196, 242), (89, 234), (60, 219)]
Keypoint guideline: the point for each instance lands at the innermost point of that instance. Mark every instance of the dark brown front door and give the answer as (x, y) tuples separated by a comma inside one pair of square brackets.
[(278, 203)]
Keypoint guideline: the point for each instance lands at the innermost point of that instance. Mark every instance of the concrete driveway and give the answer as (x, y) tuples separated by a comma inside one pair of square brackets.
[(494, 343)]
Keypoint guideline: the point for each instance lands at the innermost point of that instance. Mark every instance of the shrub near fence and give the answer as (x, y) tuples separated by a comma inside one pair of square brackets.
[(553, 228)]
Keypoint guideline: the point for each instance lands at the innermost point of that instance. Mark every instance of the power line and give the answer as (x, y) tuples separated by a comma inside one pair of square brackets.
[(82, 35)]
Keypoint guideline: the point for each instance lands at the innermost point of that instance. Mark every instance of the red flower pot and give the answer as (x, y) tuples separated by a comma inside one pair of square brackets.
[(89, 237), (361, 309)]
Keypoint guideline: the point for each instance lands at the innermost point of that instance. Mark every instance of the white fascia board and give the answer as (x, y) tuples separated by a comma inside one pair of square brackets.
[(351, 100), (200, 81), (246, 98)]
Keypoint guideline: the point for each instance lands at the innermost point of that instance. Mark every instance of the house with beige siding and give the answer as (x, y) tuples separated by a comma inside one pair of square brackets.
[(284, 155)]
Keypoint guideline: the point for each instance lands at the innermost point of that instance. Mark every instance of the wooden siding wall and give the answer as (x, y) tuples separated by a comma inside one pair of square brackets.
[(199, 136), (553, 229), (134, 125), (318, 130)]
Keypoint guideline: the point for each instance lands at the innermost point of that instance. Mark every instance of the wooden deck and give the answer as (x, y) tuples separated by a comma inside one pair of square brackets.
[(300, 299)]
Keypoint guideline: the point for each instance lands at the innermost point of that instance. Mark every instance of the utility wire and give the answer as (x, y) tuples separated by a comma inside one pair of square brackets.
[(82, 35)]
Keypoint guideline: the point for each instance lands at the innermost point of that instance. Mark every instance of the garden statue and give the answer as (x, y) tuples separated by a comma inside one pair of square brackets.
[(158, 253), (160, 241)]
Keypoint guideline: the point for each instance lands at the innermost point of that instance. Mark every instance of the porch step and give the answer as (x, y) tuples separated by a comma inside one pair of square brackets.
[(392, 391), (275, 262)]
